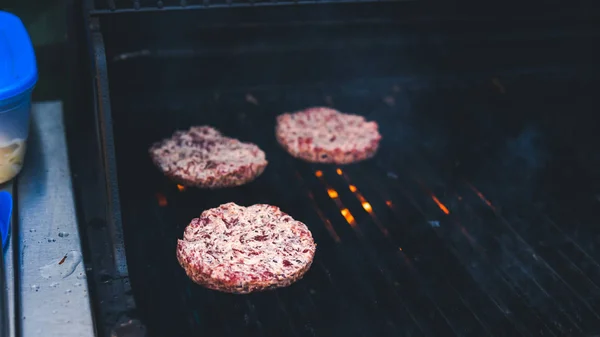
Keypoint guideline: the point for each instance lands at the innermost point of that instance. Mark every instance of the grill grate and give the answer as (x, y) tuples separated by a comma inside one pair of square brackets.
[(453, 229), (101, 6)]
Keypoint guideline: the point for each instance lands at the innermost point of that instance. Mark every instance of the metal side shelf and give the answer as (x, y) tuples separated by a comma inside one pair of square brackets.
[(46, 278)]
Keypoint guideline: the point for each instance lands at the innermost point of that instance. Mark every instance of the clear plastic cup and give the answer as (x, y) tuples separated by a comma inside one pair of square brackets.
[(14, 129)]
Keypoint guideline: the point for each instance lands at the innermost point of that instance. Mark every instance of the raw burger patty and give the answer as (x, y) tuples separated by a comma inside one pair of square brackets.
[(241, 250), (324, 135), (203, 157)]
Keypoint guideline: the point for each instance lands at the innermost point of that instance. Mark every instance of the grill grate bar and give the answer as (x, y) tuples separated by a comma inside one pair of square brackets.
[(128, 6), (581, 273), (364, 202), (568, 238), (324, 219)]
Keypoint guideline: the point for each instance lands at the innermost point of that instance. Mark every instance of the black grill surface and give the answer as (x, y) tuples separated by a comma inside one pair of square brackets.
[(478, 216)]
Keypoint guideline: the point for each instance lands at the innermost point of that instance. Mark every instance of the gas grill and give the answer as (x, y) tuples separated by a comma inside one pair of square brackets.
[(477, 217)]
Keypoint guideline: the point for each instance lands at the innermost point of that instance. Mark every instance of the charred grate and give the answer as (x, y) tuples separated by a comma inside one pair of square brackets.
[(108, 6), (454, 229)]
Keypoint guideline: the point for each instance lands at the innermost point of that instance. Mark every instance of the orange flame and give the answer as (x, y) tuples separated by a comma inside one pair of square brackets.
[(339, 171), (333, 194), (181, 188), (388, 203), (366, 206), (348, 216), (319, 173), (440, 205)]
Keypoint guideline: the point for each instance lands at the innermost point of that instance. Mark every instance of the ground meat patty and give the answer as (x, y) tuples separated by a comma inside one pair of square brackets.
[(324, 135), (240, 249), (203, 157)]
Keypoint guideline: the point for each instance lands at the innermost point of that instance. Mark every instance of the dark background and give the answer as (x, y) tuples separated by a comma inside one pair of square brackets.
[(46, 21)]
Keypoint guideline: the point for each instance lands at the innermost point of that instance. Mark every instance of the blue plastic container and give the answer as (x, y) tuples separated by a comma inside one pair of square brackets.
[(6, 205), (18, 76)]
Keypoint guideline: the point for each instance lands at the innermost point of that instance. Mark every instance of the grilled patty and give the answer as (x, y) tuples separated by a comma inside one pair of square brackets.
[(204, 158), (324, 135), (239, 249)]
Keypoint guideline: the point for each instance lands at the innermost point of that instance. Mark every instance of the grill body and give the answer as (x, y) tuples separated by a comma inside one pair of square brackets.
[(476, 217)]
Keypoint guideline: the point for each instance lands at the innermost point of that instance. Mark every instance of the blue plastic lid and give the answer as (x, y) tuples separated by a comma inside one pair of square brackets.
[(18, 69), (6, 206)]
